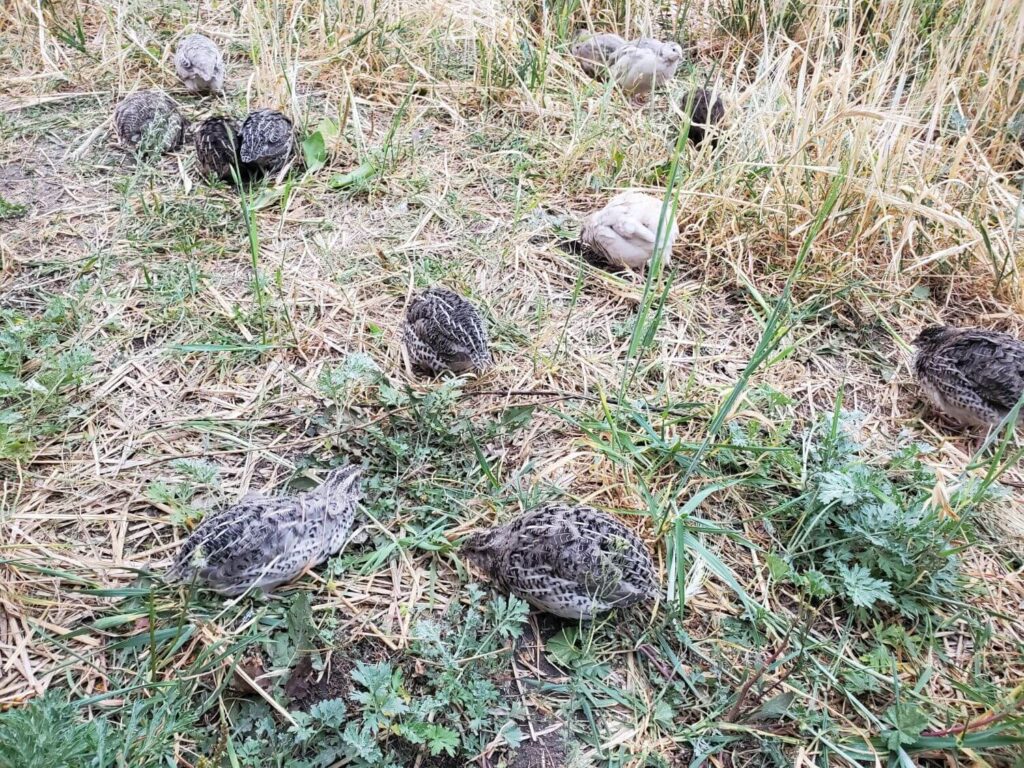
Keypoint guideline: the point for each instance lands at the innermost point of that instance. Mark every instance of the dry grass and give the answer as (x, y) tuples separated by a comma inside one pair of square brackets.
[(486, 143)]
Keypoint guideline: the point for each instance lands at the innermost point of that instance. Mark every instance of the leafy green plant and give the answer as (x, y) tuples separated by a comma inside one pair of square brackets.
[(314, 146), (46, 733), (867, 531), (9, 210)]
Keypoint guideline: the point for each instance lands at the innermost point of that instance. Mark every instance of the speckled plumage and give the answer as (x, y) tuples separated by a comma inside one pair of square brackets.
[(149, 121), (644, 64), (973, 375), (623, 233), (706, 112), (218, 148), (444, 332), (262, 542), (199, 64), (595, 53), (574, 562), (268, 141)]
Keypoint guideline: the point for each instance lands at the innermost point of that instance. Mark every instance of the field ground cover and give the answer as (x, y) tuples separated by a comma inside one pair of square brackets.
[(843, 569)]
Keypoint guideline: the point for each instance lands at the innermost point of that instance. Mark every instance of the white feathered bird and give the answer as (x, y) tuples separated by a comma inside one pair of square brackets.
[(644, 64), (199, 64), (625, 231)]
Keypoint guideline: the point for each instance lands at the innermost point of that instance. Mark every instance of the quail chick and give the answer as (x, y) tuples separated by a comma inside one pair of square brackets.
[(218, 148), (149, 121), (268, 141), (574, 562), (623, 233), (706, 111), (200, 64), (972, 375), (643, 65), (444, 332), (263, 542), (596, 53)]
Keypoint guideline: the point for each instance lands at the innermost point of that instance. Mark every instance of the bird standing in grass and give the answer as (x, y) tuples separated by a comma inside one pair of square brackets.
[(573, 562), (150, 122), (625, 231), (705, 111), (444, 332), (596, 53), (972, 375), (218, 148), (262, 542), (643, 65), (200, 64), (268, 141)]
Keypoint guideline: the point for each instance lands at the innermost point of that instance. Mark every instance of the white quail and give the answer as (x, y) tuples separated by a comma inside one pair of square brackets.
[(625, 231), (595, 53), (645, 64)]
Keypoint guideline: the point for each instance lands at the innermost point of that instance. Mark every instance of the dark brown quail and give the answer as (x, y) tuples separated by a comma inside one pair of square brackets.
[(973, 375), (706, 111), (268, 141), (444, 332), (150, 122), (263, 542), (218, 148), (574, 562)]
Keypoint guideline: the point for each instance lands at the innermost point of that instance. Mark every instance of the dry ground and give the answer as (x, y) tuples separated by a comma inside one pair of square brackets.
[(166, 350)]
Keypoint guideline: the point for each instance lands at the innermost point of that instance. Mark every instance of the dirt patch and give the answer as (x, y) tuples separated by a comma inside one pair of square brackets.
[(547, 751), (307, 686), (29, 191)]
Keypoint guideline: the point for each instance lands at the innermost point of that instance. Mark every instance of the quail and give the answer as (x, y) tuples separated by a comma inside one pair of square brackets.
[(199, 64), (643, 65), (973, 375), (149, 122), (262, 542), (218, 148), (624, 233), (267, 141), (705, 111), (444, 332), (595, 53), (571, 561)]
